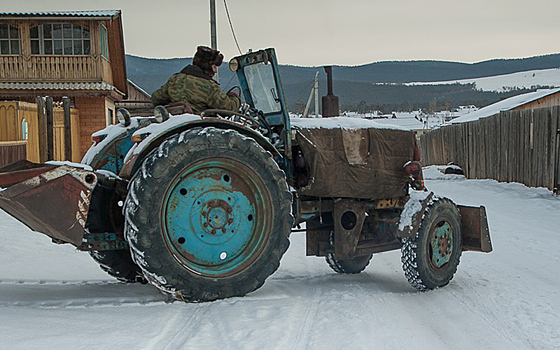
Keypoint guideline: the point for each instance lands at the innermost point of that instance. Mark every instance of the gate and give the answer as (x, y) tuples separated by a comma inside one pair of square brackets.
[(19, 121)]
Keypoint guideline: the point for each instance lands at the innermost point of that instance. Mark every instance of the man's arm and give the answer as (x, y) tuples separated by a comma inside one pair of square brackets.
[(161, 96), (217, 99)]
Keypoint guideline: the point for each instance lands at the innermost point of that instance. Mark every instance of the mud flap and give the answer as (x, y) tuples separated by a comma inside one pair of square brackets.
[(53, 200), (474, 229)]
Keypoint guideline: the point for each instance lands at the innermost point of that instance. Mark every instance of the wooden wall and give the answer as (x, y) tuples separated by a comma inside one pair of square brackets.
[(28, 67), (12, 115), (514, 146), (544, 102)]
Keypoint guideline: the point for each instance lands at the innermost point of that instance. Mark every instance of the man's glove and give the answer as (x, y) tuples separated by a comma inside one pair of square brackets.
[(233, 93)]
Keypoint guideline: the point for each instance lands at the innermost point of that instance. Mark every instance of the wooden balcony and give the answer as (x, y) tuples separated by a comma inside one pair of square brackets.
[(37, 68)]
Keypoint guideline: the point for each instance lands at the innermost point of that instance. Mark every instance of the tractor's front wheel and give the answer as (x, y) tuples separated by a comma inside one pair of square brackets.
[(430, 260), (208, 215)]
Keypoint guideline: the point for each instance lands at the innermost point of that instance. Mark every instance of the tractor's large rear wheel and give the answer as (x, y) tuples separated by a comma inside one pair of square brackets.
[(208, 215), (430, 260)]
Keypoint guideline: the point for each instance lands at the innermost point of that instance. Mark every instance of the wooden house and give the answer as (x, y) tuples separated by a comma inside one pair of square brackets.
[(78, 54)]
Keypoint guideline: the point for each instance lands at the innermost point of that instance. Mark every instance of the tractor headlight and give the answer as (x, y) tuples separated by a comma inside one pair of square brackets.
[(233, 65), (123, 116), (161, 114)]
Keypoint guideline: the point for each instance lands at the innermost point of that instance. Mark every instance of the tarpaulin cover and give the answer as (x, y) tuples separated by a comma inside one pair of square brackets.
[(366, 163)]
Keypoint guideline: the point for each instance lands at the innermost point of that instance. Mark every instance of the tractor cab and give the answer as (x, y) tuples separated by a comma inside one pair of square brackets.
[(260, 83)]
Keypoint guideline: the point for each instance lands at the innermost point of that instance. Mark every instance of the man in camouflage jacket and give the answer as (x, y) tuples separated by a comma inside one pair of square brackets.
[(195, 85)]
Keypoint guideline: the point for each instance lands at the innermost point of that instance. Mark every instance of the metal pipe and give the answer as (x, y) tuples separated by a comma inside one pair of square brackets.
[(328, 70), (213, 34)]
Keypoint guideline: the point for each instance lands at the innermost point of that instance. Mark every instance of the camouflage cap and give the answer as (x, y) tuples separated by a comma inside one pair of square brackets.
[(205, 57)]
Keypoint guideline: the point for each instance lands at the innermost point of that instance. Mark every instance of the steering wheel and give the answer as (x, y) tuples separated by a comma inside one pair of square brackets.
[(233, 88)]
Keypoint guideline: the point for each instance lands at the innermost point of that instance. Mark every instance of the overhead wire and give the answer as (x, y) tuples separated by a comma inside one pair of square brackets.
[(231, 26)]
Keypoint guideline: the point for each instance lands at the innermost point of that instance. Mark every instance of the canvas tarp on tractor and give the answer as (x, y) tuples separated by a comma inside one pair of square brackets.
[(365, 163)]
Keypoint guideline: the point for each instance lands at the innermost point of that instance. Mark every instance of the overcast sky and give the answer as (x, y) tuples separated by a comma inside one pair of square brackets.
[(340, 32)]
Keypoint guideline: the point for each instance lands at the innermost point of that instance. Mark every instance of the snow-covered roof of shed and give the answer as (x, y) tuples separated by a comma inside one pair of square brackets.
[(340, 123), (92, 13), (405, 123), (505, 105)]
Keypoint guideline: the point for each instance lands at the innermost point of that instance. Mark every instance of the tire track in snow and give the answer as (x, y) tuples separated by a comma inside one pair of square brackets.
[(59, 283), (491, 319), (303, 336), (75, 294), (179, 338)]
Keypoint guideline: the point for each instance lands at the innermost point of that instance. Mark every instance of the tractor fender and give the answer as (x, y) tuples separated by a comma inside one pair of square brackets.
[(139, 151)]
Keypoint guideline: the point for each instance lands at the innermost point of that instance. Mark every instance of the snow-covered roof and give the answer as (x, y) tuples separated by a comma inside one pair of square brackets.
[(340, 122), (58, 86), (92, 13), (407, 123), (505, 105)]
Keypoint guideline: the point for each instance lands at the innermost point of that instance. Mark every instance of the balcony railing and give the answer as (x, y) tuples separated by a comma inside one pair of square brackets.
[(51, 68)]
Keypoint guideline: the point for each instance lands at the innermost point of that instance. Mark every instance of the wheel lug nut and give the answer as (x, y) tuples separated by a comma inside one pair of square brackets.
[(205, 224)]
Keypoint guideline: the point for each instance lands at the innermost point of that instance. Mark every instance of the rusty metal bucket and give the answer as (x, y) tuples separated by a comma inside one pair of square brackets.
[(50, 199)]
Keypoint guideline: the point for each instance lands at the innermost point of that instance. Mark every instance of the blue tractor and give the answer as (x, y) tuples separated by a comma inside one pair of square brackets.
[(202, 206)]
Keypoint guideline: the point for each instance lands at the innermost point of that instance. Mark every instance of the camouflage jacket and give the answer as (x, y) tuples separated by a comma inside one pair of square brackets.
[(198, 89)]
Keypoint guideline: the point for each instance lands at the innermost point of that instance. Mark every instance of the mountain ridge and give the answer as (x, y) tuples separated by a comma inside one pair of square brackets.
[(151, 73)]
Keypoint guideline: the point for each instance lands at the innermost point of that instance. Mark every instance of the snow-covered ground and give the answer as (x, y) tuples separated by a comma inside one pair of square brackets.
[(508, 82), (53, 297)]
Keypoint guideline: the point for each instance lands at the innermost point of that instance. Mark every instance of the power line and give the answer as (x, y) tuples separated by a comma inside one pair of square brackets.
[(231, 26)]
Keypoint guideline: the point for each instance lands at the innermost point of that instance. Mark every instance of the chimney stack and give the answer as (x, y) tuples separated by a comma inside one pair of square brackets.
[(330, 101)]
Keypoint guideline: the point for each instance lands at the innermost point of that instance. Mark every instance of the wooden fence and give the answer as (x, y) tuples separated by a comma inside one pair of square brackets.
[(12, 151), (16, 116), (514, 146)]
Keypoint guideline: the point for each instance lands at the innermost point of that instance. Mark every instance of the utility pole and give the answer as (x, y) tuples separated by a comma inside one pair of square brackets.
[(316, 86), (314, 92), (213, 35)]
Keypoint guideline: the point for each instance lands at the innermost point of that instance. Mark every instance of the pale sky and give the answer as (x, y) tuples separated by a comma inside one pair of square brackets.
[(339, 32)]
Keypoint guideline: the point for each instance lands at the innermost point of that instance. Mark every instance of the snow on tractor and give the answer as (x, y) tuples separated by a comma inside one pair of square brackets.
[(202, 206)]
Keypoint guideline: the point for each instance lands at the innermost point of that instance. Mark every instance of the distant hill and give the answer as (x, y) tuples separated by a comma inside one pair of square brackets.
[(357, 85)]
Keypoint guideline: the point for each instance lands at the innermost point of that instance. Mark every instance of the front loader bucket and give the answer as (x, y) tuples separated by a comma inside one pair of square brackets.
[(50, 199)]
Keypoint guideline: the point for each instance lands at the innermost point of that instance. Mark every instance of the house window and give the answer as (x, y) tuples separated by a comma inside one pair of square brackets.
[(60, 39), (104, 42), (24, 130), (9, 40), (110, 117)]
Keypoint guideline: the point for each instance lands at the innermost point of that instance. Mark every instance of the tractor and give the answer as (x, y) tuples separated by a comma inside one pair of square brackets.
[(202, 206)]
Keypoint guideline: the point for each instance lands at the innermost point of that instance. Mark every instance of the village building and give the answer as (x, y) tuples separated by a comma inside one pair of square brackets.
[(544, 98), (77, 54)]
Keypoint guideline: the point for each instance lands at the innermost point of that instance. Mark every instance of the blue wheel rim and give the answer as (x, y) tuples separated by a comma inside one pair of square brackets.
[(441, 244), (217, 217)]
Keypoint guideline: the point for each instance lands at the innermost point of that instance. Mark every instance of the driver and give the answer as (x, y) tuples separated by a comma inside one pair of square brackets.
[(194, 84)]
